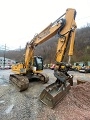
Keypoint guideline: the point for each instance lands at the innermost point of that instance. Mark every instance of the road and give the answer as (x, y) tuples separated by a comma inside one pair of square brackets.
[(26, 105)]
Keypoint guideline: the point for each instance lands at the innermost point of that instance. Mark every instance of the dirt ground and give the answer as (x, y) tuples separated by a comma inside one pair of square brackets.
[(26, 105)]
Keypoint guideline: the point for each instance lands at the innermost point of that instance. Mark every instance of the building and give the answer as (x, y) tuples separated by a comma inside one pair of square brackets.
[(6, 63)]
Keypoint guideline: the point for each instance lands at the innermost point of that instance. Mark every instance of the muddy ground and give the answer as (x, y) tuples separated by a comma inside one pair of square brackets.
[(26, 105)]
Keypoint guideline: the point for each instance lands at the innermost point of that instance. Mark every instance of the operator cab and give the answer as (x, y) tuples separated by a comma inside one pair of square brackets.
[(38, 63)]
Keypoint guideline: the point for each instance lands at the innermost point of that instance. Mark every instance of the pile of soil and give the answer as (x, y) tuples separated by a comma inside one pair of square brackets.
[(75, 106)]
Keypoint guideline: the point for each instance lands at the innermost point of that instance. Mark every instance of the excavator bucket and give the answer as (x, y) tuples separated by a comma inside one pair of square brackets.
[(53, 94)]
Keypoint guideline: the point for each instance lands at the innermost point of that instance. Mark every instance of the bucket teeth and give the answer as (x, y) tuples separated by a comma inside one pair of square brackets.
[(53, 94)]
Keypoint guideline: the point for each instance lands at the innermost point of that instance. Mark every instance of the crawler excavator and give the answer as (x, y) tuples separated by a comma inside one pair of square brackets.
[(64, 27)]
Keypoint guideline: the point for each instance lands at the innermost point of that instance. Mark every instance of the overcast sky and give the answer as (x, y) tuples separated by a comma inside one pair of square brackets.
[(20, 20)]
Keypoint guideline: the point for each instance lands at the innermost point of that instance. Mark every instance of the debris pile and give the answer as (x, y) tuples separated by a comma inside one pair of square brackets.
[(75, 106)]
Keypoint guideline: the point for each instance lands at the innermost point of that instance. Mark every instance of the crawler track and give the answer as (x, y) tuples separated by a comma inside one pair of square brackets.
[(21, 82)]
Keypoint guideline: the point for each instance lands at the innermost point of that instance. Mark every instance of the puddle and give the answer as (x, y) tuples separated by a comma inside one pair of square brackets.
[(8, 110), (2, 101), (4, 85), (3, 81)]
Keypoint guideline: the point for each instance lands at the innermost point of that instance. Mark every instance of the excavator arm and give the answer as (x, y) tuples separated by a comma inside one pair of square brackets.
[(66, 35), (53, 93)]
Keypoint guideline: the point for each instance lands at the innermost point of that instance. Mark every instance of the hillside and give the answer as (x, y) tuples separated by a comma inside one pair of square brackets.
[(81, 48), (48, 49)]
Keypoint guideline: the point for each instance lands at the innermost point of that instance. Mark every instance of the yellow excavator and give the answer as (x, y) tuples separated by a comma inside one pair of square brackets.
[(32, 67)]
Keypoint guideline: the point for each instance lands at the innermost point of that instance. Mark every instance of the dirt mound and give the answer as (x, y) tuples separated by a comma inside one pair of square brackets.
[(75, 106)]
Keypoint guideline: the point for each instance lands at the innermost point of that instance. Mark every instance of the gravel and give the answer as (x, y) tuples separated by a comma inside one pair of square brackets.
[(26, 105), (75, 106)]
